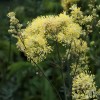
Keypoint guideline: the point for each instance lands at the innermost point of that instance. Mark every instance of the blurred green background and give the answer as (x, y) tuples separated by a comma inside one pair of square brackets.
[(18, 78)]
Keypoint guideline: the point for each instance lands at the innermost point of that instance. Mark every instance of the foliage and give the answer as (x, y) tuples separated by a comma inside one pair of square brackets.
[(24, 83)]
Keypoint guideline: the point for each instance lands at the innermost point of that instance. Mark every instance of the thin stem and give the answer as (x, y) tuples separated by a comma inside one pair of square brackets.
[(10, 49), (65, 92), (40, 69), (10, 44), (61, 70), (69, 70)]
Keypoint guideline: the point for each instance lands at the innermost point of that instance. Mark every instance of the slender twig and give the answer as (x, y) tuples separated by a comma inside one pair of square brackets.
[(10, 49), (76, 61), (40, 69), (10, 44), (61, 70), (69, 69)]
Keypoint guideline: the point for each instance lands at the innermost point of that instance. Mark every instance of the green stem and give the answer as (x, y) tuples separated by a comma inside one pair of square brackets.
[(40, 69), (68, 70), (9, 56), (61, 70)]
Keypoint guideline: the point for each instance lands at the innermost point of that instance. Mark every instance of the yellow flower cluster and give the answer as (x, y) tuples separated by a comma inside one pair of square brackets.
[(98, 23), (79, 67), (15, 26), (78, 45), (36, 47), (59, 28), (69, 33), (78, 16), (94, 8), (83, 87), (33, 40), (79, 49)]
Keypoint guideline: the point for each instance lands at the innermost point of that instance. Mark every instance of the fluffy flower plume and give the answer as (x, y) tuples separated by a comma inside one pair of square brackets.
[(33, 40), (84, 87)]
